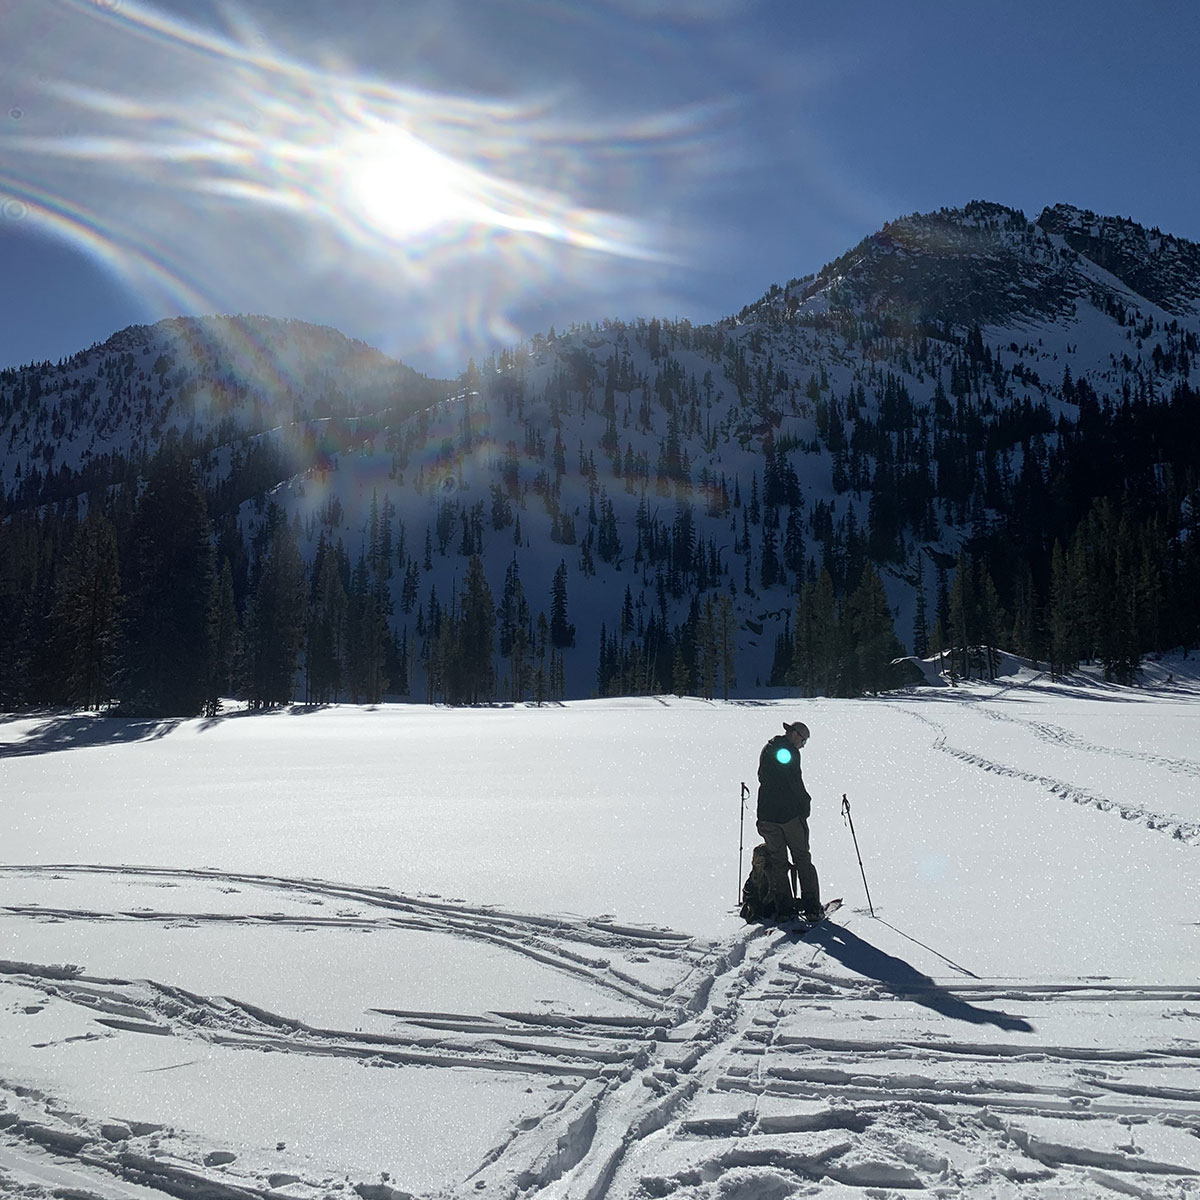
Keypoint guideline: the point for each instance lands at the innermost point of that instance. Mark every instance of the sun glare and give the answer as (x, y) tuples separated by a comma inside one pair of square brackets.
[(175, 177), (403, 188)]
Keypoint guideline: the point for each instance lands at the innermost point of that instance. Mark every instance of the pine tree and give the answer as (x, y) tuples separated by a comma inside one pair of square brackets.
[(558, 675), (921, 619), (28, 587), (769, 565), (562, 632), (430, 632), (171, 590), (708, 648), (18, 575), (513, 612), (1062, 614), (410, 587), (326, 640), (1026, 639), (680, 675), (85, 621), (366, 634), (942, 615), (225, 641), (1150, 593), (605, 667), (727, 643), (962, 617), (449, 655), (991, 621), (608, 539), (540, 674), (1120, 648), (815, 651), (477, 635), (400, 678), (275, 620), (781, 659), (793, 543), (871, 645)]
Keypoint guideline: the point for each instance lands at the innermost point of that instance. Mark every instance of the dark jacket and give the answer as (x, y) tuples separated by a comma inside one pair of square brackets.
[(782, 795)]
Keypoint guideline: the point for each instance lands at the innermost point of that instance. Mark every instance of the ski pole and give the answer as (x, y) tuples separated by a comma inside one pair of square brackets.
[(850, 822), (741, 834)]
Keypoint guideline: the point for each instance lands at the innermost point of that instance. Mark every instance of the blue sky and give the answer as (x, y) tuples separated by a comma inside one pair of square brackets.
[(443, 177)]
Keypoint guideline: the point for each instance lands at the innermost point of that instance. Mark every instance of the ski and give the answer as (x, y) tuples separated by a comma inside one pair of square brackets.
[(800, 926)]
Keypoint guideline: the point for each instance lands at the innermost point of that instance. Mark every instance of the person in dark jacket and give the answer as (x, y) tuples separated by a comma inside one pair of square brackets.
[(783, 809)]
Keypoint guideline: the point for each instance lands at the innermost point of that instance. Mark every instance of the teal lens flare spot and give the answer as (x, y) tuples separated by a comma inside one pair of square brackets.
[(783, 755)]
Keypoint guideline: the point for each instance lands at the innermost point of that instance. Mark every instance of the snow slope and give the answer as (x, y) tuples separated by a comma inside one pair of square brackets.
[(452, 952), (667, 423)]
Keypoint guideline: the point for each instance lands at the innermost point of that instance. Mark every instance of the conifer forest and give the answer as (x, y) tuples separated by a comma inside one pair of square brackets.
[(973, 433)]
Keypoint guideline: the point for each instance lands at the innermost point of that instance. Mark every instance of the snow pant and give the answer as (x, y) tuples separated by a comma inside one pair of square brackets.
[(791, 835)]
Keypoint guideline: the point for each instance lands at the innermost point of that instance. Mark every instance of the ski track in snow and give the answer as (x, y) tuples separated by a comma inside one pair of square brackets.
[(557, 942), (1185, 831), (1057, 736), (736, 1082)]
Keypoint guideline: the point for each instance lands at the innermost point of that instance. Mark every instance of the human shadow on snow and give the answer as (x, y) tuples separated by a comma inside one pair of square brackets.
[(904, 979)]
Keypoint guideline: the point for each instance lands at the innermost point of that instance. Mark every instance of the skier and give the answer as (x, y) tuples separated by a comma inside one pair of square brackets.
[(783, 808)]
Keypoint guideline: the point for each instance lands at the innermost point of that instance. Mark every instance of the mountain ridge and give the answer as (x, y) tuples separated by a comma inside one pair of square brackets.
[(967, 273), (916, 397)]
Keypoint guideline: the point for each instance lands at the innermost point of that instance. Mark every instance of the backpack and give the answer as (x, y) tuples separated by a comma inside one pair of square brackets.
[(757, 901)]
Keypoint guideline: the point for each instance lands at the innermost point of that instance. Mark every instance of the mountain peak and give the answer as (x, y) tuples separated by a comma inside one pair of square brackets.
[(975, 214), (987, 264), (976, 265), (1158, 266)]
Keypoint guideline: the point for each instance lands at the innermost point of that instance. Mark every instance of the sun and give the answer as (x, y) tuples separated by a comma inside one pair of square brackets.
[(403, 188)]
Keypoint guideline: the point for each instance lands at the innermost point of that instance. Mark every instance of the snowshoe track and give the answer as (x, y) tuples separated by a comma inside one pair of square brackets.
[(1173, 826), (1055, 735)]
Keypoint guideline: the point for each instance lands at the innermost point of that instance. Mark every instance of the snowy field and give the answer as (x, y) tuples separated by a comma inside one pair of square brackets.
[(414, 951)]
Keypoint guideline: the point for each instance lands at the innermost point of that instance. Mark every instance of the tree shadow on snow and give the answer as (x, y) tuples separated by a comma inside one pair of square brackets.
[(76, 732), (1020, 693), (904, 979)]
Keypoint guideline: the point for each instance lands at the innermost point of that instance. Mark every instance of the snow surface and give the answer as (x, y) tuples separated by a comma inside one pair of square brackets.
[(488, 952)]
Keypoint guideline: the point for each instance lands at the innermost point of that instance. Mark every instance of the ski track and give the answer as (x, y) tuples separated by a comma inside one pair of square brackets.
[(1173, 826), (1055, 735), (714, 1088)]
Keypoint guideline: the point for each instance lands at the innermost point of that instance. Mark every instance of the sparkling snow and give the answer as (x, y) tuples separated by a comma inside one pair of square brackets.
[(413, 950)]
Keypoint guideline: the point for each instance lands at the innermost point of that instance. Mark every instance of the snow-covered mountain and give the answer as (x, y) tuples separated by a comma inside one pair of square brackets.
[(986, 264), (927, 390), (212, 383)]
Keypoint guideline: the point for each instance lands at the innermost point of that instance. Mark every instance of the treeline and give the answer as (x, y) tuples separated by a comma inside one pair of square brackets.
[(1118, 589), (1093, 551), (644, 655), (840, 645), (147, 605), (143, 604), (1080, 533)]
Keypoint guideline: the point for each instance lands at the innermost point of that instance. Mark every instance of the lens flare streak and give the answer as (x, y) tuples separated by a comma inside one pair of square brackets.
[(217, 170), (383, 164)]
